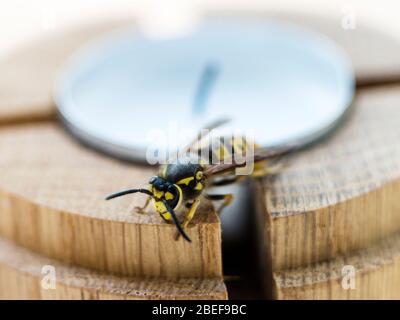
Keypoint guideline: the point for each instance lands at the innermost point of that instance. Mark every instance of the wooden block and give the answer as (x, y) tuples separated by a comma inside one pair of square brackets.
[(52, 193), (22, 274), (377, 276), (341, 195)]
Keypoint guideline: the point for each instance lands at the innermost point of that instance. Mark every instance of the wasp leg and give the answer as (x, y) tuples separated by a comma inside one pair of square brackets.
[(141, 209), (189, 216), (228, 198)]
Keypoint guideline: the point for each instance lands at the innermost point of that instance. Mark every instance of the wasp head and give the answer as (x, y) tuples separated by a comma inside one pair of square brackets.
[(163, 189)]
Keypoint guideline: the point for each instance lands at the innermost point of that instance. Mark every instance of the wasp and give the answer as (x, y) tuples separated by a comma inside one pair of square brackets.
[(184, 182)]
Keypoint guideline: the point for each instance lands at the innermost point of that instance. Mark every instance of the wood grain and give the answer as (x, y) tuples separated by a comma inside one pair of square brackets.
[(341, 195), (52, 201), (21, 277), (377, 276)]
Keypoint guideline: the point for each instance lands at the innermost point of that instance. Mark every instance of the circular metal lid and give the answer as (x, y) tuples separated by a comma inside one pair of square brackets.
[(284, 83)]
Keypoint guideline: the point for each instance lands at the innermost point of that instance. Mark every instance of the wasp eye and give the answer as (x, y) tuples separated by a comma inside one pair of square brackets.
[(199, 175)]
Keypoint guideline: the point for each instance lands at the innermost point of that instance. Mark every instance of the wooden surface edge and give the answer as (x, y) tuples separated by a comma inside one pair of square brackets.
[(376, 273), (130, 249), (303, 239), (342, 194), (26, 275), (52, 193)]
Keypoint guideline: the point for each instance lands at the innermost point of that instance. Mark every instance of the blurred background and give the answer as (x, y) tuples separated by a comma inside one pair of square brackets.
[(22, 21)]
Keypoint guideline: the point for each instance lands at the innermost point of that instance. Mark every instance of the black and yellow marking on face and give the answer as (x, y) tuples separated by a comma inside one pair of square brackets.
[(158, 194), (169, 196), (173, 200)]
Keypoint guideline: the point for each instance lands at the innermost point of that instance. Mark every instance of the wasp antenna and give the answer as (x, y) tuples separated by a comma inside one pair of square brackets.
[(125, 192), (176, 221)]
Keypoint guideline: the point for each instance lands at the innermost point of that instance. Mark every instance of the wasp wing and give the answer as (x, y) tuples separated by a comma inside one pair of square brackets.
[(259, 155)]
